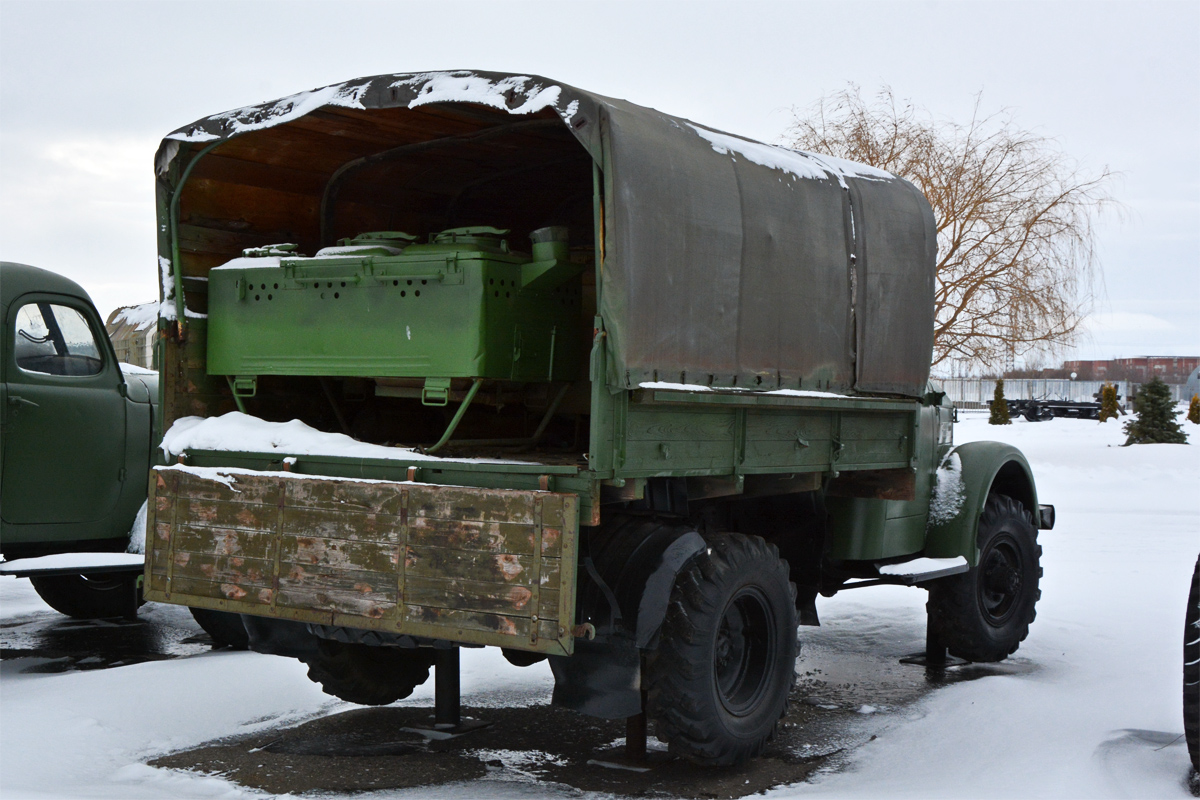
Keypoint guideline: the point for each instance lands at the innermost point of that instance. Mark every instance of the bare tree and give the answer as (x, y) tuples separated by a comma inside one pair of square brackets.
[(1017, 263)]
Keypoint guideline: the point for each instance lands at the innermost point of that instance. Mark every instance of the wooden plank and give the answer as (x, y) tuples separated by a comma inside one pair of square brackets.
[(785, 453), (647, 423), (242, 592), (442, 563), (341, 554), (466, 595), (449, 619), (240, 516), (764, 426), (494, 537), (470, 505), (240, 489), (218, 541), (340, 601), (225, 569), (654, 457), (345, 496), (548, 602), (341, 525)]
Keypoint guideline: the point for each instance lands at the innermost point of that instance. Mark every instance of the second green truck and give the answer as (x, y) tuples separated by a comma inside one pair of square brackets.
[(474, 359)]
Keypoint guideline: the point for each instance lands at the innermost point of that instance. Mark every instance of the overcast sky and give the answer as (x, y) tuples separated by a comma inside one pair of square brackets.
[(87, 90)]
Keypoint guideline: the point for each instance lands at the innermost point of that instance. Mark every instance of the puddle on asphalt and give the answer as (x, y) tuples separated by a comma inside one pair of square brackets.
[(48, 642), (843, 699), (850, 687)]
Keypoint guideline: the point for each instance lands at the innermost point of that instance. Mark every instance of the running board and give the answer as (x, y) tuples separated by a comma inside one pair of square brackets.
[(920, 570), (912, 573), (74, 564)]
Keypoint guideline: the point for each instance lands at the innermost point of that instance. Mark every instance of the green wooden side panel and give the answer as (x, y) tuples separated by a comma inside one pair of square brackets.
[(673, 438), (479, 566)]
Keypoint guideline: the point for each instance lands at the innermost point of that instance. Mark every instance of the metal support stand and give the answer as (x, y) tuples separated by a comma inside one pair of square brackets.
[(447, 710), (635, 737), (446, 690), (935, 655)]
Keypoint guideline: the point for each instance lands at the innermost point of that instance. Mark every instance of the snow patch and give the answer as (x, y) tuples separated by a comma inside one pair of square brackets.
[(356, 249), (245, 262), (286, 109), (695, 387), (794, 162), (238, 432), (137, 534), (72, 561), (165, 156), (140, 317), (949, 493), (922, 566), (133, 369), (467, 87)]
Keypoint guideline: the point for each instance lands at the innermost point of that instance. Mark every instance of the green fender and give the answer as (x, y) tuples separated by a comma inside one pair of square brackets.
[(985, 467)]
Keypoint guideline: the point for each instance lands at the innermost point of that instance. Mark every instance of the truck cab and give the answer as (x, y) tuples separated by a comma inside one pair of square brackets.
[(77, 437)]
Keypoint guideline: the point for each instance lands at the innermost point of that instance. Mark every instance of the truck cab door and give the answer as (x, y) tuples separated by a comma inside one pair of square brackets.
[(64, 414)]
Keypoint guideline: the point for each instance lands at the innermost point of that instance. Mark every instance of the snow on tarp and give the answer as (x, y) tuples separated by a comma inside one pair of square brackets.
[(238, 432), (62, 561), (796, 162), (693, 387), (804, 271)]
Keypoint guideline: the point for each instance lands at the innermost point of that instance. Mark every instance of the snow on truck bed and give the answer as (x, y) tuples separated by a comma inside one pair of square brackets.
[(238, 432)]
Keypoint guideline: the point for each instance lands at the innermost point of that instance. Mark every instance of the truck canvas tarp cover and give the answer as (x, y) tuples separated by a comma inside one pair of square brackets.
[(724, 261)]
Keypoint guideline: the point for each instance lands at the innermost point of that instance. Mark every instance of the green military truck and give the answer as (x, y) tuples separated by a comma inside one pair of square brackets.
[(472, 359)]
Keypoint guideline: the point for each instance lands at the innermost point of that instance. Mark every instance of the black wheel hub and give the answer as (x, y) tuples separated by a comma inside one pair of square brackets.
[(742, 655), (1001, 581)]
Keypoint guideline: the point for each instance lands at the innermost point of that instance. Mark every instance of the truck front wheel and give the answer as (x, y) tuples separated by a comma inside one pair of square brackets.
[(366, 674), (984, 614), (719, 680), (99, 596)]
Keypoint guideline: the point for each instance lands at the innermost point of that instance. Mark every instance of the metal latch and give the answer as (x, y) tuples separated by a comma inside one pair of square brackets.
[(435, 392), (244, 385)]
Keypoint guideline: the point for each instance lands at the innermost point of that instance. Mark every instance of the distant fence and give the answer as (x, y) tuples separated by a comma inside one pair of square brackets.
[(977, 392)]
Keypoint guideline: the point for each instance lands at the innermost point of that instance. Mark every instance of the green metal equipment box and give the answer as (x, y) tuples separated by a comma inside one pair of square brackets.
[(461, 306)]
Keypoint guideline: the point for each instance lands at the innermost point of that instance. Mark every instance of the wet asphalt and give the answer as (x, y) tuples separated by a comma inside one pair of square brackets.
[(849, 688)]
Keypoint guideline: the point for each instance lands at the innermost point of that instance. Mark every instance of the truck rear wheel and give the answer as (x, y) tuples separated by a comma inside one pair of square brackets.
[(223, 627), (984, 614), (367, 674), (719, 681), (99, 596)]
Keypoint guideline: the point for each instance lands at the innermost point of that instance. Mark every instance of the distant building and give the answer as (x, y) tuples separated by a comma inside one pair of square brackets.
[(1172, 369), (132, 330)]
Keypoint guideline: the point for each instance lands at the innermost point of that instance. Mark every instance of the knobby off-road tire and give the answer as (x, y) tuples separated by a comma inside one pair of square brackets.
[(984, 614), (366, 674), (1191, 671), (100, 596), (223, 627), (719, 680)]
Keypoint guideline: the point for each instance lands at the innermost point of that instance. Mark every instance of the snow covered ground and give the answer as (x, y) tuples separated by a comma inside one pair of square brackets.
[(1092, 708)]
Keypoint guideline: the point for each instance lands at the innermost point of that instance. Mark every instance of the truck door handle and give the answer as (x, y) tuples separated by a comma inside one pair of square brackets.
[(14, 400)]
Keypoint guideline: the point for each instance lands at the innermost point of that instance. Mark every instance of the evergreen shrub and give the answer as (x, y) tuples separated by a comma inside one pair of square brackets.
[(1154, 422), (999, 406)]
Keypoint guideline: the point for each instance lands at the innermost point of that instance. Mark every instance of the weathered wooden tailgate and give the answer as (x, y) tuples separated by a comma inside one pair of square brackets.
[(480, 566)]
